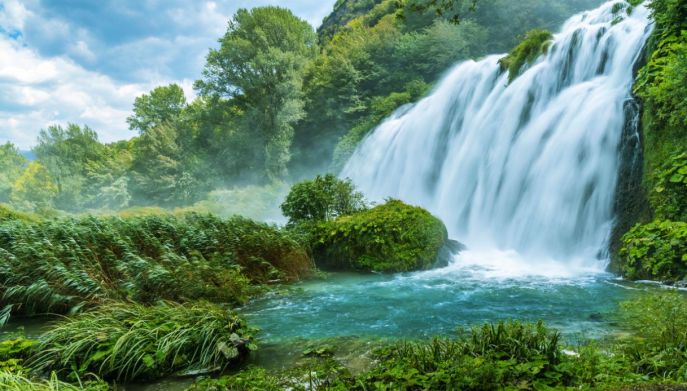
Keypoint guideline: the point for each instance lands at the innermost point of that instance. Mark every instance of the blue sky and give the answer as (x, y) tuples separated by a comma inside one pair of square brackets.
[(85, 61)]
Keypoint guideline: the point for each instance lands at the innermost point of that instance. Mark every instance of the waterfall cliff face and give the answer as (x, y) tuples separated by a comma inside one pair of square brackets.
[(529, 167)]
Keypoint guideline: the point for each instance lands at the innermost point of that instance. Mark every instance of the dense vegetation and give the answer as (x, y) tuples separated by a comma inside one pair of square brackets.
[(65, 265), (655, 248), (149, 293), (130, 341)]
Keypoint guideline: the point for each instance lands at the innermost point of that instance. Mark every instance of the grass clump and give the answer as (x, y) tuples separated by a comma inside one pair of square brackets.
[(65, 265), (10, 381), (124, 341), (535, 43), (393, 237)]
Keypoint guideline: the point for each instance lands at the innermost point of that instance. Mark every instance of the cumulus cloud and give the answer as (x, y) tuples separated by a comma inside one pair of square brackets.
[(85, 62)]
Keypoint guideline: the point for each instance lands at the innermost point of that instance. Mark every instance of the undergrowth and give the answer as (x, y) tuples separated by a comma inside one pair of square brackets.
[(66, 265), (124, 341)]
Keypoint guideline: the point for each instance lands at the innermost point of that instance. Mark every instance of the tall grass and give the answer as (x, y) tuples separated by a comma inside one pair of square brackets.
[(65, 265), (16, 382), (131, 341)]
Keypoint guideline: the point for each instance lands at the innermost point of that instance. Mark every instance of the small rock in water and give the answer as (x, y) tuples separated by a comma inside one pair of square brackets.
[(596, 317)]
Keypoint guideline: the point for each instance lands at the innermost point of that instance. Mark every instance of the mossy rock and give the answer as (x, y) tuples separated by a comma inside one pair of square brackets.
[(393, 237), (535, 43)]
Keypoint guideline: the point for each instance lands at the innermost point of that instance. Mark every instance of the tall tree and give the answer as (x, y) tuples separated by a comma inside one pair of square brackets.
[(260, 64), (163, 105), (162, 173), (70, 154), (12, 163)]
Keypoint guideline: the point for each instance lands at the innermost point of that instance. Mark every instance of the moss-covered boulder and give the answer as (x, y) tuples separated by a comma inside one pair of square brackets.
[(535, 43), (393, 237)]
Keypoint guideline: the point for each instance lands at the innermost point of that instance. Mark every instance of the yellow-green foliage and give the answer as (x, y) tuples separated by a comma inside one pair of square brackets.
[(535, 43), (7, 214), (129, 341), (35, 188), (13, 354), (393, 237), (64, 265), (657, 251)]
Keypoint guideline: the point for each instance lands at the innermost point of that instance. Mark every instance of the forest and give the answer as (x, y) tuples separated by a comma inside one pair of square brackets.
[(225, 248)]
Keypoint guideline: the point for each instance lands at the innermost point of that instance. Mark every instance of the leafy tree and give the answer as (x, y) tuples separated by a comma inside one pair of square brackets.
[(69, 155), (163, 104), (322, 199), (260, 64), (12, 163), (161, 173), (34, 189)]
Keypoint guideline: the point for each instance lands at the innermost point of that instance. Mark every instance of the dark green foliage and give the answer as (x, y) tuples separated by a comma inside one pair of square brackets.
[(490, 357), (663, 88), (129, 341), (317, 374), (64, 265), (669, 196), (656, 251), (535, 43), (393, 237), (322, 199), (162, 105)]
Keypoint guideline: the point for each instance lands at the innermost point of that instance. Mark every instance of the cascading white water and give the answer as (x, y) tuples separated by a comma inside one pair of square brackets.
[(526, 169)]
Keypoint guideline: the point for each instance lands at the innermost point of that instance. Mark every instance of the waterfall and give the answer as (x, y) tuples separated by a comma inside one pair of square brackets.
[(527, 168)]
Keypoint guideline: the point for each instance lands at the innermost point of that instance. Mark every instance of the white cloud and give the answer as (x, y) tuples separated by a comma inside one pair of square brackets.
[(40, 92), (86, 62)]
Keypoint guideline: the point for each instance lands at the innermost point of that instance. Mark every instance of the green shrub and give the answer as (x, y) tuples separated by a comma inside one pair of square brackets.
[(65, 265), (535, 43), (657, 250), (322, 199), (126, 341), (393, 237), (658, 322)]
